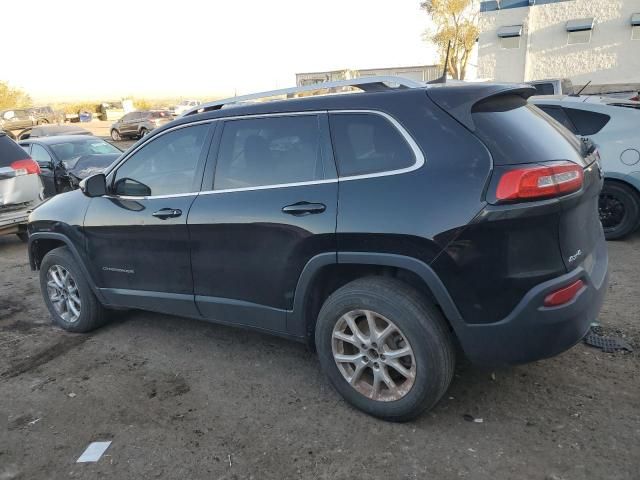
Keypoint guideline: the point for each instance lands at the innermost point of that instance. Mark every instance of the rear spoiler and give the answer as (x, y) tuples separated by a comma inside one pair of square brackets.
[(459, 100)]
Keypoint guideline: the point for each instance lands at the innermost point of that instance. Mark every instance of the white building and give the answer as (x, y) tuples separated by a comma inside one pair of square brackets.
[(583, 40)]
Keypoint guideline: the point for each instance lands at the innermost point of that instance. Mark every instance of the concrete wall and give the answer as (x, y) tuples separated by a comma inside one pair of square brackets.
[(610, 57)]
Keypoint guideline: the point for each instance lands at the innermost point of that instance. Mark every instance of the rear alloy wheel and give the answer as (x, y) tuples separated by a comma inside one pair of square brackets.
[(619, 210), (115, 135), (373, 355), (385, 348)]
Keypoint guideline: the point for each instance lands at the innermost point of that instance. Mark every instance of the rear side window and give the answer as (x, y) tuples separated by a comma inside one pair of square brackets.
[(10, 151), (365, 143), (559, 115), (518, 132), (269, 151), (544, 88), (587, 123)]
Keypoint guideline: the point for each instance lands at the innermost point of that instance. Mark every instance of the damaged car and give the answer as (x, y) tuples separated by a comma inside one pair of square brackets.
[(65, 160), (20, 187)]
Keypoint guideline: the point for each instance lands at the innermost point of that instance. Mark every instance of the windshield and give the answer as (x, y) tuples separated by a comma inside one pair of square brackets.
[(69, 152)]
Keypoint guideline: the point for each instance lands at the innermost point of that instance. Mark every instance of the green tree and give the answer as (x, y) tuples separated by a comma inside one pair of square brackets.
[(11, 97), (455, 21)]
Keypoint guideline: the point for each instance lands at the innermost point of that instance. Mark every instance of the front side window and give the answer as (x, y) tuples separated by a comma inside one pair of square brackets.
[(367, 143), (167, 165), (269, 151)]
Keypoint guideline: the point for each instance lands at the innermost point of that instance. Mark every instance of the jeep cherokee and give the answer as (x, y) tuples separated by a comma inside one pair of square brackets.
[(385, 228)]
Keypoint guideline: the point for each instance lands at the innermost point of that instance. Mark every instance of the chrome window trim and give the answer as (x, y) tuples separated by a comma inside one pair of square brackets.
[(419, 157)]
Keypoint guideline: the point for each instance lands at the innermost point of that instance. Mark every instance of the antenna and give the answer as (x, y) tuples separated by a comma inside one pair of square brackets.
[(443, 78), (581, 90)]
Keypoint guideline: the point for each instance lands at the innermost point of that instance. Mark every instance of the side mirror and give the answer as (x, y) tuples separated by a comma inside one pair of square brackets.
[(129, 187), (94, 186)]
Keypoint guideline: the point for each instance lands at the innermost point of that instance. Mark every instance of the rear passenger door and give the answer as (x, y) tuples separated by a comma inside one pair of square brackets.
[(270, 207)]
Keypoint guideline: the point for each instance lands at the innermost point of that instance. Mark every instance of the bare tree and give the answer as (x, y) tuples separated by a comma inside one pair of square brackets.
[(456, 21)]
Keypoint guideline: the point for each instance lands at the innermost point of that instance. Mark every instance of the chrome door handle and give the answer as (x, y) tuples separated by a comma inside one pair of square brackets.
[(304, 208), (165, 213)]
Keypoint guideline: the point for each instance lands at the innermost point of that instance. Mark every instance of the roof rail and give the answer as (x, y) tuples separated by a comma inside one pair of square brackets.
[(367, 84)]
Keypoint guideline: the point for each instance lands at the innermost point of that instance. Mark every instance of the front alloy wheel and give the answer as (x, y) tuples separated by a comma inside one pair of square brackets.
[(63, 293), (373, 355)]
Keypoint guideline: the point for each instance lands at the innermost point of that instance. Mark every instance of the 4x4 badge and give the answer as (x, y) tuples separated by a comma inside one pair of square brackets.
[(575, 256)]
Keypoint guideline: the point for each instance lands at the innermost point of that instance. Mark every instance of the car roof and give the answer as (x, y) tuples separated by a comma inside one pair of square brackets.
[(61, 139)]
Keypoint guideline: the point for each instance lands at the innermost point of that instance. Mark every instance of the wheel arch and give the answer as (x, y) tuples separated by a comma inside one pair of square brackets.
[(632, 181), (41, 243), (325, 273)]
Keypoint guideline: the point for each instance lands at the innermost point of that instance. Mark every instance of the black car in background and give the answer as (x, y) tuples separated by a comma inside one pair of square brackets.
[(139, 124), (65, 160), (385, 228)]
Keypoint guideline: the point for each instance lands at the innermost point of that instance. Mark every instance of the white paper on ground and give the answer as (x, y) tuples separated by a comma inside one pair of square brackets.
[(93, 452)]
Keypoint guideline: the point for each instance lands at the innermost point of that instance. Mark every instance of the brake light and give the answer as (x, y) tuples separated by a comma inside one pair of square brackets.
[(28, 165), (564, 294), (540, 181)]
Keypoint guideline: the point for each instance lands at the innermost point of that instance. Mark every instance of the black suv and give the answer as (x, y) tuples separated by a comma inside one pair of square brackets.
[(383, 227)]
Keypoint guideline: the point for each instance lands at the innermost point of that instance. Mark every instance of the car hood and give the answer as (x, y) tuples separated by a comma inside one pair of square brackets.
[(88, 165)]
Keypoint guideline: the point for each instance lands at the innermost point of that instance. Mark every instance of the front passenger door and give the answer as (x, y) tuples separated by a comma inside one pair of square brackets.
[(137, 236)]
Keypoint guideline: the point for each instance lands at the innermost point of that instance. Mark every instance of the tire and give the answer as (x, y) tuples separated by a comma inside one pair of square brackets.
[(420, 327), (23, 236), (143, 132), (91, 314), (115, 135), (619, 209), (43, 121)]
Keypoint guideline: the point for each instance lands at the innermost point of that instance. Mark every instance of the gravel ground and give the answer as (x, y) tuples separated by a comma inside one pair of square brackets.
[(186, 399)]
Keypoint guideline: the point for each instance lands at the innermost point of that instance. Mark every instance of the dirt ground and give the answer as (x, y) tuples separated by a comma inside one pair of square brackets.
[(186, 399)]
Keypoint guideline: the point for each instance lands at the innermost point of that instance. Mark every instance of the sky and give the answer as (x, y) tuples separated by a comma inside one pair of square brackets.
[(97, 49)]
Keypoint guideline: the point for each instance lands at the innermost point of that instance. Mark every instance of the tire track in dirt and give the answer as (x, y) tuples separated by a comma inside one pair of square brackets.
[(44, 356)]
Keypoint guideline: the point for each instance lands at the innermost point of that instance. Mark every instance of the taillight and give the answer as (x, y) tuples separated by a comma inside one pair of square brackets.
[(564, 294), (540, 181), (28, 165)]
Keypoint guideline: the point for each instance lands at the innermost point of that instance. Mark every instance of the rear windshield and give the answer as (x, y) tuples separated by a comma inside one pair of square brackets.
[(10, 151), (518, 132)]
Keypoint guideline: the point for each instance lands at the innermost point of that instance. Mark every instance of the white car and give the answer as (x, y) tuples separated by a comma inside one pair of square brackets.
[(613, 125), (20, 187), (185, 105)]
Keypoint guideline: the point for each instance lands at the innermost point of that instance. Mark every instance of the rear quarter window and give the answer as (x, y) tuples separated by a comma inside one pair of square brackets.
[(587, 123), (366, 143), (10, 151)]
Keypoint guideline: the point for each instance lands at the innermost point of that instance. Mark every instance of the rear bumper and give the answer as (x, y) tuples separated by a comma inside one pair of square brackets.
[(13, 220), (532, 332)]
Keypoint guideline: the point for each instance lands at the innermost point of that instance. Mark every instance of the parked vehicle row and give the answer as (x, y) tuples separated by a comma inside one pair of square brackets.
[(466, 217)]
